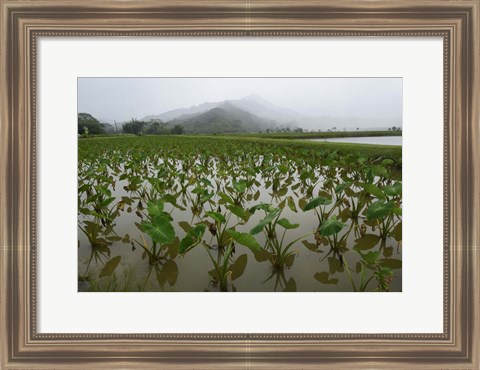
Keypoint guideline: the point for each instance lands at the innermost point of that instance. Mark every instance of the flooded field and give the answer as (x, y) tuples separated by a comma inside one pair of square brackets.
[(207, 214)]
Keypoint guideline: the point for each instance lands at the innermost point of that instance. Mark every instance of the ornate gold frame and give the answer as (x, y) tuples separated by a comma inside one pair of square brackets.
[(23, 21)]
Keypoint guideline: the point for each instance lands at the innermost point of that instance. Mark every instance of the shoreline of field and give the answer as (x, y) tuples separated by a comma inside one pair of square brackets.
[(314, 135), (370, 151)]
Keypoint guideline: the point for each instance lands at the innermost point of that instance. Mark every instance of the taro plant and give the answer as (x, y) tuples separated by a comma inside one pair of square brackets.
[(382, 274), (319, 206), (225, 268), (158, 226), (330, 229), (281, 254)]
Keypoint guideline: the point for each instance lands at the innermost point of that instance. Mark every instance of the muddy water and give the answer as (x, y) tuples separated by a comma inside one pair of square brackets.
[(189, 273)]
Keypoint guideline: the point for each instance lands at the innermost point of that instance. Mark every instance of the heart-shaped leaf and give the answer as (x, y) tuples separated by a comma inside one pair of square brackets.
[(393, 190), (161, 231), (244, 239), (379, 210), (216, 216), (330, 227), (155, 208), (269, 218), (374, 190), (287, 224), (315, 202), (193, 237)]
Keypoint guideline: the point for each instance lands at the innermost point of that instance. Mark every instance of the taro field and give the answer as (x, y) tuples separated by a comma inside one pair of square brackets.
[(233, 214)]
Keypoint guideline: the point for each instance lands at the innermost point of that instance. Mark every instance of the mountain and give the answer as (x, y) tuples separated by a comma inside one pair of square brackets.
[(252, 104), (253, 113), (172, 114), (225, 118)]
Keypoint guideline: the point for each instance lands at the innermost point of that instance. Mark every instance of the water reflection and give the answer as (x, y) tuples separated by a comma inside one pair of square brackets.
[(322, 223)]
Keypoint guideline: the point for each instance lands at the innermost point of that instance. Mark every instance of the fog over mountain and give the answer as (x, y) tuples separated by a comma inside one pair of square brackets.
[(250, 104), (253, 104)]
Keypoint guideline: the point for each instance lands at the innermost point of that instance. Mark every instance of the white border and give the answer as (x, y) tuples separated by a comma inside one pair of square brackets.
[(418, 309)]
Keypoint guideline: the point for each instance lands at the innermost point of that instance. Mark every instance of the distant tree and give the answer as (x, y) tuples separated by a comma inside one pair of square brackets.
[(133, 127), (177, 130), (267, 130), (156, 127), (298, 129), (87, 124)]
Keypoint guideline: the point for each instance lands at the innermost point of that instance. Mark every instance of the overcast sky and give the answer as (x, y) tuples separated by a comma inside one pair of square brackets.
[(121, 99)]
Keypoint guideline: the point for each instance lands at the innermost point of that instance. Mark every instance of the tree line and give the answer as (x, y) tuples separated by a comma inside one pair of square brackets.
[(89, 125)]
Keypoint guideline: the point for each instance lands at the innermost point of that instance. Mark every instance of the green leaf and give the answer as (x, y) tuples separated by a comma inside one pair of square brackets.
[(379, 210), (324, 278), (397, 211), (110, 266), (380, 171), (239, 212), (393, 190), (366, 242), (315, 202), (269, 218), (193, 237), (263, 206), (216, 216), (239, 186), (199, 190), (371, 257), (206, 197), (330, 227), (161, 231), (374, 190), (286, 224), (238, 267), (341, 187), (282, 168), (226, 198), (169, 198), (107, 201), (155, 208), (245, 239)]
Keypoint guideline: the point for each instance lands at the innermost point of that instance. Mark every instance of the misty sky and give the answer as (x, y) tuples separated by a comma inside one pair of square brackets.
[(121, 99)]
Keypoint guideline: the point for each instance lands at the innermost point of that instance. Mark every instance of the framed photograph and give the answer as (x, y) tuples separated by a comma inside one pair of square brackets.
[(227, 184)]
